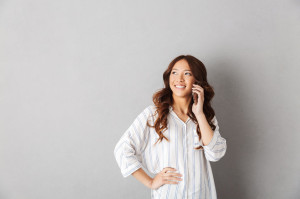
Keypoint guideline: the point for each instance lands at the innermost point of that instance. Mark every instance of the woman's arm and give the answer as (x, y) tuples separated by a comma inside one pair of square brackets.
[(163, 177), (206, 131), (142, 176), (213, 143)]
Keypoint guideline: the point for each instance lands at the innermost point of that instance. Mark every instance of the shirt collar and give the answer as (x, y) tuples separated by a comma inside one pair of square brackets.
[(171, 111)]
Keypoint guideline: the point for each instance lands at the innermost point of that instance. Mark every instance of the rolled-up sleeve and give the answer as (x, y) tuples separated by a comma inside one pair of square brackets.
[(216, 149), (128, 150)]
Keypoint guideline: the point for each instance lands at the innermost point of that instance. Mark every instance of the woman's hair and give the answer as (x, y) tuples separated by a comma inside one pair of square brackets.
[(163, 98)]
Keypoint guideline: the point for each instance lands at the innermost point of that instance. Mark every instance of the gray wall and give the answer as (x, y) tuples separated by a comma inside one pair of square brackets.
[(75, 74)]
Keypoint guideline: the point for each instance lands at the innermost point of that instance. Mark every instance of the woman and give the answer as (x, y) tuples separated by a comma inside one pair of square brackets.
[(175, 138)]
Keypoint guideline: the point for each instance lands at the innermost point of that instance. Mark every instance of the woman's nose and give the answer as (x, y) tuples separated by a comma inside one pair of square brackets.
[(181, 78)]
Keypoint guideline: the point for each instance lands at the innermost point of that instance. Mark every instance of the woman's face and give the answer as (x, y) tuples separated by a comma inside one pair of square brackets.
[(181, 75)]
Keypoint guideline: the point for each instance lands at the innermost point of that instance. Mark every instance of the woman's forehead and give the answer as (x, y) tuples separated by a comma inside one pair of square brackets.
[(181, 65)]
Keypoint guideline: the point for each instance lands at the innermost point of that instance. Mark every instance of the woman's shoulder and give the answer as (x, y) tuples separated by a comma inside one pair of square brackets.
[(150, 109)]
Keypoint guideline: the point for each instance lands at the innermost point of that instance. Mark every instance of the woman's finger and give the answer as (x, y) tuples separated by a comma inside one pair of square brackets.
[(173, 174), (171, 182), (199, 89), (165, 181), (172, 178), (165, 170), (198, 92), (197, 85)]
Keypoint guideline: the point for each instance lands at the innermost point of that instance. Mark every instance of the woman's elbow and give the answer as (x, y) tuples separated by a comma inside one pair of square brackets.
[(216, 155)]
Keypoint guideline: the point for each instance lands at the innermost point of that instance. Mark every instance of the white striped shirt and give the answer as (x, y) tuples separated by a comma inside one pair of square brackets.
[(136, 149)]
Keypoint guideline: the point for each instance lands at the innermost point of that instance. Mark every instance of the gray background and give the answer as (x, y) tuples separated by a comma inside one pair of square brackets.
[(75, 74)]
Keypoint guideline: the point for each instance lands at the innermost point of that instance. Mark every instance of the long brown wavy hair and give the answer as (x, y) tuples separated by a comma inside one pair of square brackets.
[(163, 99)]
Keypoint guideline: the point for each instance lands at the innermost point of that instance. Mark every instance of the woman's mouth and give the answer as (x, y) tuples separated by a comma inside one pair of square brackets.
[(180, 87)]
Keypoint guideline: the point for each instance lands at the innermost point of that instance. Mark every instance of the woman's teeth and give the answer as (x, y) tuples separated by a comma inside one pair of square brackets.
[(180, 86)]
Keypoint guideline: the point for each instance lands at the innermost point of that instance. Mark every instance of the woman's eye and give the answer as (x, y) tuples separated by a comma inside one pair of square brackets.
[(185, 73)]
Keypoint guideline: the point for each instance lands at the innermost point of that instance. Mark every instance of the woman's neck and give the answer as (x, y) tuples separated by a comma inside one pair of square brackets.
[(181, 105)]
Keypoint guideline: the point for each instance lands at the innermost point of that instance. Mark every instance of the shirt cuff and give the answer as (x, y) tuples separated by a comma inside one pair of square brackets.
[(132, 168), (213, 141)]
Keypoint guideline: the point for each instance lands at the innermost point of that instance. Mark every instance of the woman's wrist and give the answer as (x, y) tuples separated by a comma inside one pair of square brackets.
[(149, 184), (142, 176)]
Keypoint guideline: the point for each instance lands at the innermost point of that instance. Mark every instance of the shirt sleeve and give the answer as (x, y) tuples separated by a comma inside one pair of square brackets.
[(128, 150), (216, 149)]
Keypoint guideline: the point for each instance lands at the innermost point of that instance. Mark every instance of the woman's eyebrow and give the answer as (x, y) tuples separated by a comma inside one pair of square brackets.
[(184, 70)]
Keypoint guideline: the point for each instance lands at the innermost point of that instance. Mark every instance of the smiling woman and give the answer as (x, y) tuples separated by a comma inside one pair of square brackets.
[(181, 79), (175, 138)]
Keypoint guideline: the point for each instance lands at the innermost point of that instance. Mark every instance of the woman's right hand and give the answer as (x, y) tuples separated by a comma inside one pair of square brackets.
[(165, 177)]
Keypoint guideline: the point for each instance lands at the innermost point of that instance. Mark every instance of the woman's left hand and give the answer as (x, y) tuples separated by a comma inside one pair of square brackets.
[(198, 108)]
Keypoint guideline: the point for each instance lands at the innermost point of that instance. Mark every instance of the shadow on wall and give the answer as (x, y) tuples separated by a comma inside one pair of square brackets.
[(232, 172)]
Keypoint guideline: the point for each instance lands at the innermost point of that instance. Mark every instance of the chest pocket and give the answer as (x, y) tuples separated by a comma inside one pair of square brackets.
[(197, 143)]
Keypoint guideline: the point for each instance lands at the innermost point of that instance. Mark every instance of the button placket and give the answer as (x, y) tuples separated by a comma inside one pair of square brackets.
[(186, 161)]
